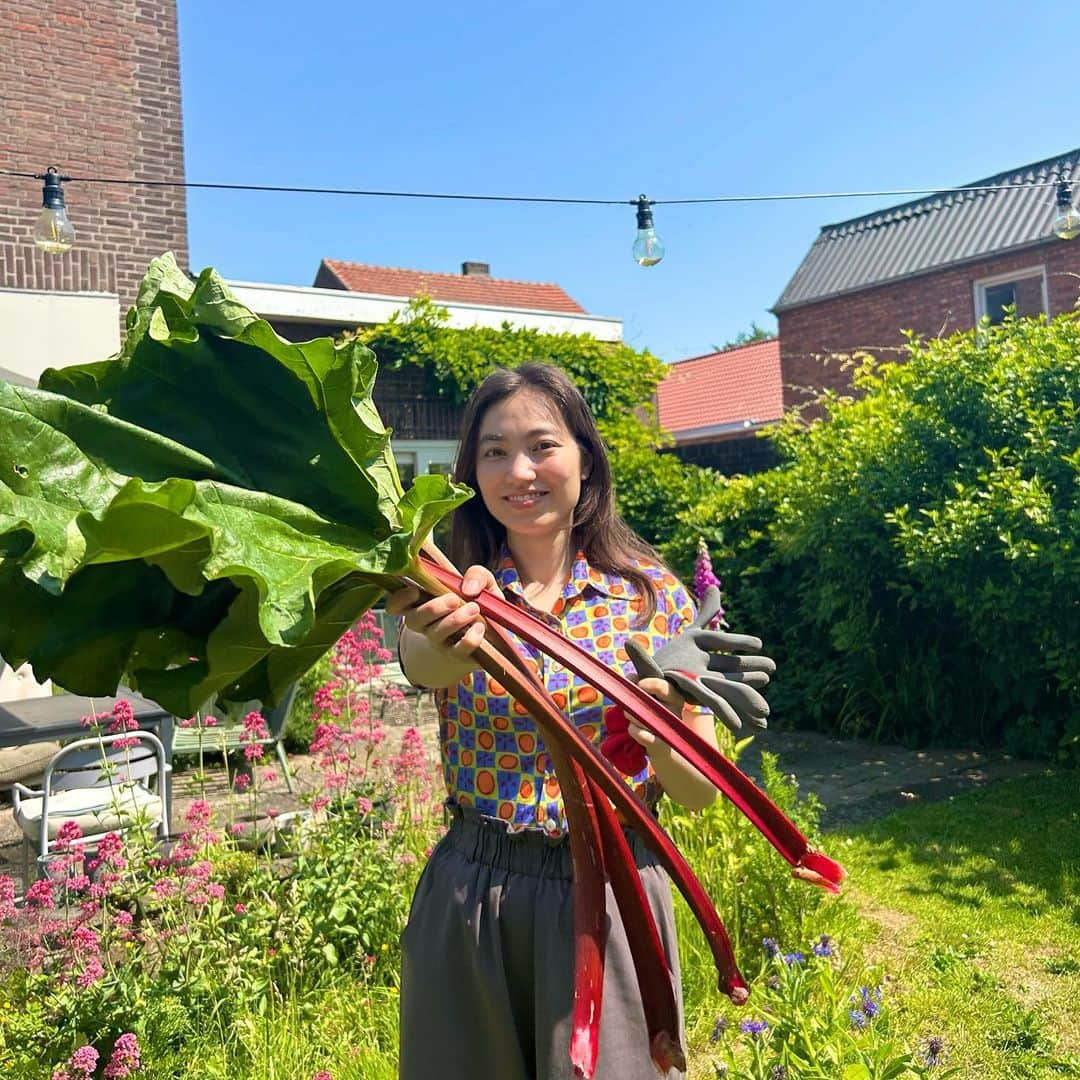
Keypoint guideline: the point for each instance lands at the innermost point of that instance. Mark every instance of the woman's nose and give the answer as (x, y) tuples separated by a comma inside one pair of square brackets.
[(521, 467)]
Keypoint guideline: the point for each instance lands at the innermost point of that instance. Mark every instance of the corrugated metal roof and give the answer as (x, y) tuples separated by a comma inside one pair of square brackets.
[(932, 232)]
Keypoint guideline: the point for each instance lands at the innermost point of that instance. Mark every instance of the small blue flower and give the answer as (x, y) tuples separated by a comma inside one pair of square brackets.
[(823, 946), (771, 947), (793, 958), (858, 1018), (779, 1072), (933, 1053), (754, 1027), (869, 1001), (718, 1028)]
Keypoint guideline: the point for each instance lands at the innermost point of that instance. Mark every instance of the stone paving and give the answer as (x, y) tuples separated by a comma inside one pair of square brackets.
[(856, 781)]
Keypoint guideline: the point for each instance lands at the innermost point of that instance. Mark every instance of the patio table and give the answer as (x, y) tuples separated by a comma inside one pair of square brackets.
[(50, 719)]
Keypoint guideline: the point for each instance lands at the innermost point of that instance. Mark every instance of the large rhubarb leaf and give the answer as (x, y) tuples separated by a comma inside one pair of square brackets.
[(204, 513)]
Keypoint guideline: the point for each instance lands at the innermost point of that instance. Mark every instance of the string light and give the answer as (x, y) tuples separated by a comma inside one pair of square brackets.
[(1066, 216), (55, 233), (648, 247)]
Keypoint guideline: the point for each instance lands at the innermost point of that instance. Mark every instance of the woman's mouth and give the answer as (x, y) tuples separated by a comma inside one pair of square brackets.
[(525, 498)]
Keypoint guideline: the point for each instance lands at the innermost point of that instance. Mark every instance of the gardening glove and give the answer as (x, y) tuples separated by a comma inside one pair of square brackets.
[(706, 668)]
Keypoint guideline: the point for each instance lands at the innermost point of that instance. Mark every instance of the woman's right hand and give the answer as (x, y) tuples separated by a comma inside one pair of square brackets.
[(452, 626)]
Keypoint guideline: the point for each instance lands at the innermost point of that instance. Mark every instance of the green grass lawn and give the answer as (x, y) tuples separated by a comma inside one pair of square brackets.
[(972, 907), (967, 912)]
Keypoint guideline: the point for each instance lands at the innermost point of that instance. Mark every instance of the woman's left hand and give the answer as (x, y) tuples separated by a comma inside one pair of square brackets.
[(667, 695)]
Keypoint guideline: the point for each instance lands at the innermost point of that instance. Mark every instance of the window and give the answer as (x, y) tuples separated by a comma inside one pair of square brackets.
[(1023, 289), (406, 467)]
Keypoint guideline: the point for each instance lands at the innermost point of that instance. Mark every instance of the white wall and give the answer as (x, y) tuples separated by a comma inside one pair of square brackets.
[(301, 303), (54, 329)]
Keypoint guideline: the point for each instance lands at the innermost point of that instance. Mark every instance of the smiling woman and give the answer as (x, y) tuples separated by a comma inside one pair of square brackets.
[(494, 908)]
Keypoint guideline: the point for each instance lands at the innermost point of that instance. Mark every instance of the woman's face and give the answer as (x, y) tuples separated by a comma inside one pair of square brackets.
[(529, 467)]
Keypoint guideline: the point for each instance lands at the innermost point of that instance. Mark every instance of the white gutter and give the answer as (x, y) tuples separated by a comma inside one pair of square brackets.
[(732, 427), (301, 303)]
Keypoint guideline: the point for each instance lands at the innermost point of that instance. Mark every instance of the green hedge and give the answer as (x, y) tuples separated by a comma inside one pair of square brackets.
[(913, 563), (618, 381)]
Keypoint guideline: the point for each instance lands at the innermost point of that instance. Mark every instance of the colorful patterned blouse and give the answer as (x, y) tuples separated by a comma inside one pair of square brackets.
[(492, 757)]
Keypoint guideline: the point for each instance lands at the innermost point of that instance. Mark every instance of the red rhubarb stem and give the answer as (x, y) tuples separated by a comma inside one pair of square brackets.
[(781, 832), (505, 664), (643, 939)]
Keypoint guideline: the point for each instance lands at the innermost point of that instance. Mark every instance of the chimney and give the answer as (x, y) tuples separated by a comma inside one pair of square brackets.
[(476, 269)]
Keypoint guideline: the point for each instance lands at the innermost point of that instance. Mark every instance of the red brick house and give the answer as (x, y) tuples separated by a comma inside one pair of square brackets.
[(347, 295), (935, 265), (716, 404), (95, 90)]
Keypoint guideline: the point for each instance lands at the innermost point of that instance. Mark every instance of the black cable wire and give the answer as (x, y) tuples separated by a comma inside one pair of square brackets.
[(541, 198)]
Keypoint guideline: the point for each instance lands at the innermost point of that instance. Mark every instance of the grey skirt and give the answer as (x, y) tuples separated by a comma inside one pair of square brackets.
[(488, 962)]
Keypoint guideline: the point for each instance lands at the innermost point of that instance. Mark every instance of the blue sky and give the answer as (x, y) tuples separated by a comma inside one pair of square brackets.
[(602, 100)]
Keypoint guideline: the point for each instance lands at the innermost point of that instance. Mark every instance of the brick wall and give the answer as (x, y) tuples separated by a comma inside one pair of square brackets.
[(94, 89), (407, 399), (932, 305), (744, 455)]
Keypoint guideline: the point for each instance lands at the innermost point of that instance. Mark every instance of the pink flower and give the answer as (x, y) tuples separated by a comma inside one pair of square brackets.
[(109, 846), (269, 776), (68, 833), (322, 1074), (241, 781), (704, 578), (239, 909), (40, 894), (198, 815), (92, 972), (363, 805), (125, 1058), (82, 1063), (320, 802)]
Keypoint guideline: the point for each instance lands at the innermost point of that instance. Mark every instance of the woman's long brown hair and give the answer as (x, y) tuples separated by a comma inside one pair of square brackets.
[(609, 544)]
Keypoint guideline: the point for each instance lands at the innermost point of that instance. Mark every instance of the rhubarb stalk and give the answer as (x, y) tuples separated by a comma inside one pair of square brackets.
[(808, 864), (643, 939), (554, 727)]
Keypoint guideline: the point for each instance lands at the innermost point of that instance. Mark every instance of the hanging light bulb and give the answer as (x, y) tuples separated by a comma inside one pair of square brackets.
[(648, 247), (54, 234), (1066, 217)]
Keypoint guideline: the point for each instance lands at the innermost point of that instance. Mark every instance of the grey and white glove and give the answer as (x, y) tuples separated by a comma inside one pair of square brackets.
[(721, 671)]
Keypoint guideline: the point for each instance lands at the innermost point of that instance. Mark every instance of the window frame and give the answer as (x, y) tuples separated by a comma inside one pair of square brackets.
[(982, 284)]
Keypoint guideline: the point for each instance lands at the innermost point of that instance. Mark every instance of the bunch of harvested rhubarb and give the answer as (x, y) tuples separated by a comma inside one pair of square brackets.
[(598, 848), (208, 511)]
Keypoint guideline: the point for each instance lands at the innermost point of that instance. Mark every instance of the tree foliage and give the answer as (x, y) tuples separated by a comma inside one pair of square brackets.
[(617, 381), (913, 564)]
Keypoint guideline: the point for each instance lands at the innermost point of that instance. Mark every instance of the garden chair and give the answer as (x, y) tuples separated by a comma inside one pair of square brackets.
[(25, 763), (225, 735), (103, 790)]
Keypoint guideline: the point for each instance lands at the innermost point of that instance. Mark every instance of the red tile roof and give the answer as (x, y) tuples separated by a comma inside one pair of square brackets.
[(726, 387), (449, 288)]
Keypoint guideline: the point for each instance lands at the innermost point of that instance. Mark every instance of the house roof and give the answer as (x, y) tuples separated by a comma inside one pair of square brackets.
[(722, 392), (16, 378), (449, 288), (930, 233)]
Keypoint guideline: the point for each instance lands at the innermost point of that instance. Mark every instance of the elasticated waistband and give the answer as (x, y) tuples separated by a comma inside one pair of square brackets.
[(531, 852)]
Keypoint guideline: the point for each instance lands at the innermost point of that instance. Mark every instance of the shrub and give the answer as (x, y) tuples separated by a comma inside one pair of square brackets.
[(912, 565), (616, 380)]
